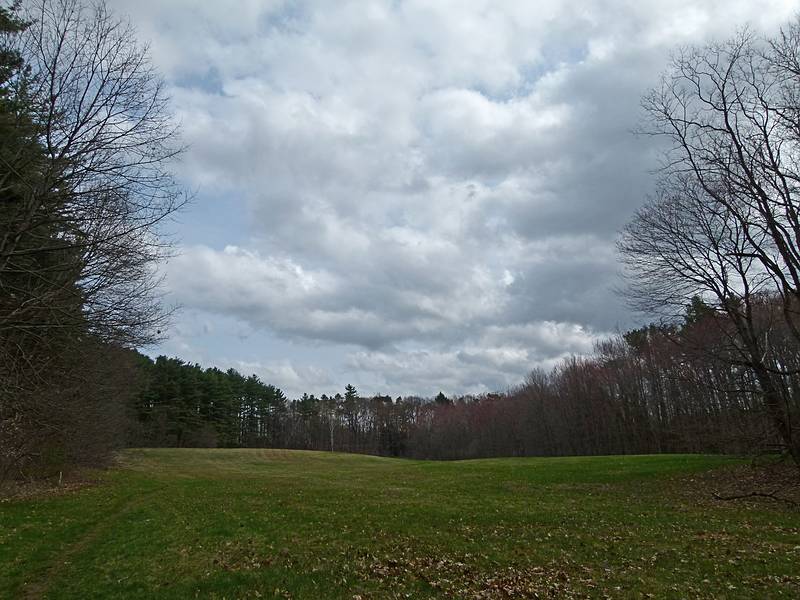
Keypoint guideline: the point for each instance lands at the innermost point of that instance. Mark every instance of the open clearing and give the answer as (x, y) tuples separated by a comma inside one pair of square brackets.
[(179, 523)]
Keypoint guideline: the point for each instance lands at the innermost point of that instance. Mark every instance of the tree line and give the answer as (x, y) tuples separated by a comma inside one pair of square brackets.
[(653, 389)]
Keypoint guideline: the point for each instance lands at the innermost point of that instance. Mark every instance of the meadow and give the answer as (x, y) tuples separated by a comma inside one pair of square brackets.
[(191, 523)]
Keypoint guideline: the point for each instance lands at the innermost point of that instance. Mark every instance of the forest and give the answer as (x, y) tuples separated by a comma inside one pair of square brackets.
[(86, 173)]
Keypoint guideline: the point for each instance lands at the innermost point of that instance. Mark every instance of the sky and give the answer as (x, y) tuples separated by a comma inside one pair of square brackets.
[(410, 196)]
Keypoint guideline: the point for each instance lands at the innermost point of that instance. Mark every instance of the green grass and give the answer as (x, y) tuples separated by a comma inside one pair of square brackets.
[(263, 524)]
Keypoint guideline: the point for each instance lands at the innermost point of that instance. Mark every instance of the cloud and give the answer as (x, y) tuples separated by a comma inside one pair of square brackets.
[(496, 360), (431, 191), (283, 296), (292, 379)]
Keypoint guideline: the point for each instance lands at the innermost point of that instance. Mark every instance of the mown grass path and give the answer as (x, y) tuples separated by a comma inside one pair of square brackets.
[(269, 523)]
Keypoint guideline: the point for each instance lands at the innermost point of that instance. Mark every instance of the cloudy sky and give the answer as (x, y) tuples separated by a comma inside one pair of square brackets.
[(410, 196)]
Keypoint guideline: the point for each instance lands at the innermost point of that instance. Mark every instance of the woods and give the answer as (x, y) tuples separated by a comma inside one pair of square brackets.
[(655, 389)]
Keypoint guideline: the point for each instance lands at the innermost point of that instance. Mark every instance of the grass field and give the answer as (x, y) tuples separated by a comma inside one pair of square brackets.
[(263, 524)]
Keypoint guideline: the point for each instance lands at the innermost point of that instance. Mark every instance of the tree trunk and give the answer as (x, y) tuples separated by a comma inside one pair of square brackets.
[(773, 402)]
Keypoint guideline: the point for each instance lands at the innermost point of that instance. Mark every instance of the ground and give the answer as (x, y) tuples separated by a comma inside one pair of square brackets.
[(181, 523)]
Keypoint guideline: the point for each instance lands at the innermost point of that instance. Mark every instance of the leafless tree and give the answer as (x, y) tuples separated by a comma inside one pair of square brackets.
[(87, 192), (724, 225), (102, 186), (731, 115)]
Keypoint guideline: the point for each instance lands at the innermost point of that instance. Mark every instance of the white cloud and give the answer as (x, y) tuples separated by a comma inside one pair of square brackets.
[(294, 380)]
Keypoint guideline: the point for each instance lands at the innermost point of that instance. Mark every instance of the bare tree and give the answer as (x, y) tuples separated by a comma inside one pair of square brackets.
[(102, 186), (87, 189), (724, 225), (731, 115)]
